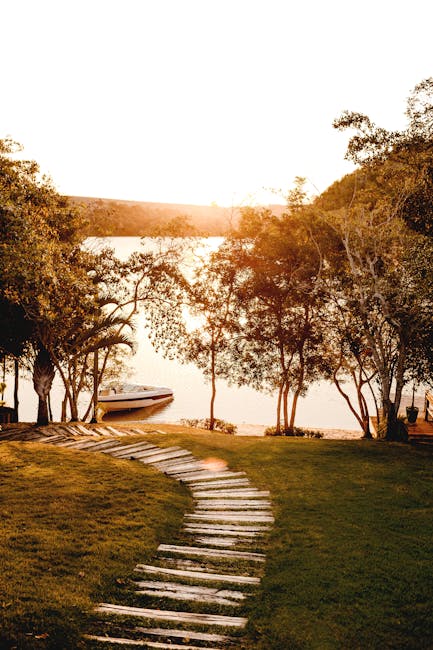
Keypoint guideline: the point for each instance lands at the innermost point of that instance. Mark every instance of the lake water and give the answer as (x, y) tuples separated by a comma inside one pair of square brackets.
[(322, 407)]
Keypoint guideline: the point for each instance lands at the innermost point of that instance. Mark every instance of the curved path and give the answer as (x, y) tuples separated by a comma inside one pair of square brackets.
[(228, 521)]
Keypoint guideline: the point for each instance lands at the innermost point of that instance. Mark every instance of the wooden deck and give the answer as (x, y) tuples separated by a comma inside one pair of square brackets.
[(421, 432)]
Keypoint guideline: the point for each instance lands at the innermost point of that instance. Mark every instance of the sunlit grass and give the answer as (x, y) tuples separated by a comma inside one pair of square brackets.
[(73, 526), (348, 559)]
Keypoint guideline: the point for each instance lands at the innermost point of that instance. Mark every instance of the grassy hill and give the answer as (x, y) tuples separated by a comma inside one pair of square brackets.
[(110, 217), (349, 557)]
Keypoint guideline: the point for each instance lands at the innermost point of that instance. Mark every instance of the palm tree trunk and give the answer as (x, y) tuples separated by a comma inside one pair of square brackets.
[(43, 375), (16, 380), (213, 395)]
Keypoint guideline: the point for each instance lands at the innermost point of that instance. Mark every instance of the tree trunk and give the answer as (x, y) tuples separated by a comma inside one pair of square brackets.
[(63, 414), (43, 375), (16, 381), (278, 422), (285, 406), (212, 399)]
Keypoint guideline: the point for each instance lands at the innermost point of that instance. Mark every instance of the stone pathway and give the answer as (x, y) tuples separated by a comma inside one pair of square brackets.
[(225, 529)]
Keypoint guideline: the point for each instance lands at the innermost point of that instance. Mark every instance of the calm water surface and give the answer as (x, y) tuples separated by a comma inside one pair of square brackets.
[(322, 407)]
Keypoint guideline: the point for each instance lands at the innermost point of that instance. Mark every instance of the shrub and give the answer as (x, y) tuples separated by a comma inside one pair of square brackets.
[(297, 432), (204, 423)]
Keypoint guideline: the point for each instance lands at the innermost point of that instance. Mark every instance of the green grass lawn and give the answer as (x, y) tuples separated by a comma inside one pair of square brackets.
[(349, 558)]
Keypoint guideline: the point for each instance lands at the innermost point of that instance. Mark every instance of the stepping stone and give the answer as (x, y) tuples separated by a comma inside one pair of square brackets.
[(154, 459), (230, 527), (205, 475), (212, 530), (145, 449), (146, 643), (216, 494), (186, 467), (229, 483), (184, 634), (53, 439), (204, 573), (20, 436), (216, 553), (219, 541), (227, 504), (166, 615), (255, 517), (116, 432), (103, 445), (100, 431), (77, 444), (125, 450), (82, 429), (172, 466), (179, 591)]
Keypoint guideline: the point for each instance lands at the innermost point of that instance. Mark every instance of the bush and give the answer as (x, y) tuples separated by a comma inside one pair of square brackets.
[(204, 423), (296, 432)]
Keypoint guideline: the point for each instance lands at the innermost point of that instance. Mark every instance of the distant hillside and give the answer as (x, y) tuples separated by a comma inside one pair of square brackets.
[(110, 217)]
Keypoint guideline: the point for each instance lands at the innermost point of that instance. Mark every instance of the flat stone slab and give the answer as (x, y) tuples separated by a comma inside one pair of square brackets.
[(166, 615), (219, 542), (186, 468), (184, 634), (213, 530), (254, 517), (204, 475), (212, 552), (156, 458), (203, 574), (234, 504), (218, 494), (241, 528), (223, 483), (179, 591), (126, 450), (145, 643)]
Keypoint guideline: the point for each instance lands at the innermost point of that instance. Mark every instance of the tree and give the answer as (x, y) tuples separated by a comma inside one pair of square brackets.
[(280, 303), (38, 229), (373, 265)]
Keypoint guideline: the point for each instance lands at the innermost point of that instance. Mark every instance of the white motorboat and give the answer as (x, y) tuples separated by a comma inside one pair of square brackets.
[(132, 396)]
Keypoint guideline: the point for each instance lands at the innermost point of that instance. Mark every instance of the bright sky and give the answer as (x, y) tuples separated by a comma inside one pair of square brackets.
[(194, 101)]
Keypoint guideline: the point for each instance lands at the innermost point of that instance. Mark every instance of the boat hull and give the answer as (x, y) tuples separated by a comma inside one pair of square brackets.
[(131, 401)]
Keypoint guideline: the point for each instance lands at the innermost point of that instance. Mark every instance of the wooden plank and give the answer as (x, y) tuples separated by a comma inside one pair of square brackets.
[(174, 646), (187, 469), (144, 643), (254, 517), (193, 593), (235, 504), (77, 444), (172, 466), (183, 634), (53, 439), (145, 449), (204, 573), (213, 530), (125, 450), (205, 475), (234, 482), (166, 615), (217, 494), (212, 552), (117, 432), (150, 460), (103, 444), (192, 598), (226, 542), (230, 527), (82, 429)]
